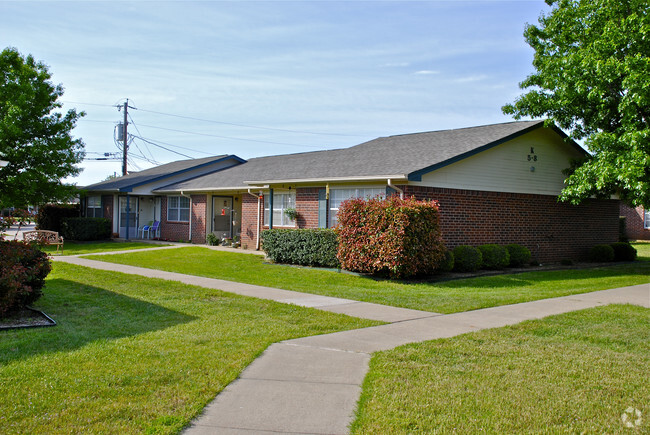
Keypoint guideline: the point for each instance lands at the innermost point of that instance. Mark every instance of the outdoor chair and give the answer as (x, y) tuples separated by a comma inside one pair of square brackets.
[(145, 228), (155, 228)]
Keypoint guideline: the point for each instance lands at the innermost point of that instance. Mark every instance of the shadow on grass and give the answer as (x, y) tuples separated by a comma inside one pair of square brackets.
[(85, 314)]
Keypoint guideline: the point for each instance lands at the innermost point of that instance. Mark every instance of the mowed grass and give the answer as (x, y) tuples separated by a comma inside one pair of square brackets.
[(136, 355), (572, 373), (77, 248), (443, 297)]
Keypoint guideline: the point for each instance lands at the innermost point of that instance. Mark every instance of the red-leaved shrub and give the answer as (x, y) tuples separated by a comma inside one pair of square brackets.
[(398, 237), (23, 269)]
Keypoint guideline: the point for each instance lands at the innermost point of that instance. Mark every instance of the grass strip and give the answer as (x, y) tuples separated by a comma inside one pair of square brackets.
[(78, 248), (136, 355), (442, 297), (571, 373)]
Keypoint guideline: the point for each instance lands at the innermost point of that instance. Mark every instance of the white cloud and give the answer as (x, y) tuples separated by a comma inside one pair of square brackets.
[(425, 72)]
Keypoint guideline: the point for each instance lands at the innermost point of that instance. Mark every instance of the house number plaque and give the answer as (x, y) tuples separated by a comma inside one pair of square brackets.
[(532, 157)]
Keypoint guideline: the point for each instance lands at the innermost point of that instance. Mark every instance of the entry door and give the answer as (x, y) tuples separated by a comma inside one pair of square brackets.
[(132, 217), (222, 216)]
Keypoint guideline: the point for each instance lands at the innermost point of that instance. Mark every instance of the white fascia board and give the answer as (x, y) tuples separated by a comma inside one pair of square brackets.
[(203, 189), (258, 183)]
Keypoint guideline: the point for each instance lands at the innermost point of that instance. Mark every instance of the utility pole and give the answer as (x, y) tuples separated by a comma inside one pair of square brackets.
[(126, 141)]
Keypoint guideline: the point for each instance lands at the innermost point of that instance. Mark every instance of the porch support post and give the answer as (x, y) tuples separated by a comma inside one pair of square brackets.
[(128, 212)]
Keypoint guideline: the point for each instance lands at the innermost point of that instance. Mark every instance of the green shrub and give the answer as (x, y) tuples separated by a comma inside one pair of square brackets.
[(395, 237), (467, 259), (50, 216), (85, 228), (519, 255), (307, 247), (23, 269), (601, 253), (447, 263), (494, 256), (212, 239), (623, 251)]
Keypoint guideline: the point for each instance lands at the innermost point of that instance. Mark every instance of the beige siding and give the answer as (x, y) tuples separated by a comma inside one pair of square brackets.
[(507, 168)]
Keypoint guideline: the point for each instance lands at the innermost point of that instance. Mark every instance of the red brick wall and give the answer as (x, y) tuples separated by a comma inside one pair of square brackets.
[(198, 216), (551, 230), (634, 223), (174, 231), (307, 207), (249, 220)]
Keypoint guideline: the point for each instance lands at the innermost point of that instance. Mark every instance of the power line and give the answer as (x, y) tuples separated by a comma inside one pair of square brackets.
[(222, 122), (249, 126), (231, 138), (153, 159), (160, 146), (175, 146)]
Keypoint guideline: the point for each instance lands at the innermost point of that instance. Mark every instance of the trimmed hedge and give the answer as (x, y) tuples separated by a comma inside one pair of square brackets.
[(601, 253), (447, 263), (494, 256), (307, 247), (85, 228), (50, 216), (519, 255), (395, 237), (623, 251), (467, 259), (23, 269)]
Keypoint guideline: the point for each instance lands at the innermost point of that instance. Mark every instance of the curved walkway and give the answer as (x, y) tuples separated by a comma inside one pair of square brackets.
[(311, 385)]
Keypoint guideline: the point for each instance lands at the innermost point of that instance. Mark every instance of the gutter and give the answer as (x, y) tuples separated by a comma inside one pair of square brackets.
[(392, 186), (190, 229)]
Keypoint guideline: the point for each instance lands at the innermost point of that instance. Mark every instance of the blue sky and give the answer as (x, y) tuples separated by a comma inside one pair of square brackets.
[(274, 77)]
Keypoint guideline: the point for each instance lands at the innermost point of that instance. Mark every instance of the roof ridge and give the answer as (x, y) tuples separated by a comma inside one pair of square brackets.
[(463, 128)]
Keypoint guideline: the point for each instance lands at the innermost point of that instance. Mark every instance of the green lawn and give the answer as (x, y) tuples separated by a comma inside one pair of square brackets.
[(136, 355), (77, 248), (443, 297), (572, 373)]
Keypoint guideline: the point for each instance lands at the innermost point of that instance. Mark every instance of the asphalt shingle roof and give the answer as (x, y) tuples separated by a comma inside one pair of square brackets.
[(152, 174), (400, 155)]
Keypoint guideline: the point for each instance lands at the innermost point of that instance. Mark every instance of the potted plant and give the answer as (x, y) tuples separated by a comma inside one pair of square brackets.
[(291, 213)]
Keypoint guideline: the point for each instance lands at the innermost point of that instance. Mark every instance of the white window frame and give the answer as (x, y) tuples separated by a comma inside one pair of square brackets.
[(93, 205), (281, 202), (178, 209), (646, 219), (337, 196)]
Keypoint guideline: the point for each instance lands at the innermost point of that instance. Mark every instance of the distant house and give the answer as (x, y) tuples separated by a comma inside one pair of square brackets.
[(495, 184)]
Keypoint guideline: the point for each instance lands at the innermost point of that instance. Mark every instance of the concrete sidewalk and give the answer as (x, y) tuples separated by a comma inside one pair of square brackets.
[(311, 385)]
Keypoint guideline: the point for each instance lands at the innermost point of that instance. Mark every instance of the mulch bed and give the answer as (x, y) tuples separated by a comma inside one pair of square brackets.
[(26, 318)]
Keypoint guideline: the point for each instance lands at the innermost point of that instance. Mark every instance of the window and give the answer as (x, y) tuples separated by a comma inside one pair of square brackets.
[(94, 206), (646, 220), (281, 202), (178, 208), (337, 196)]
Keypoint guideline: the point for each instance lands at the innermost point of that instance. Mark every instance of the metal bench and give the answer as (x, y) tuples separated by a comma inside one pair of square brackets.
[(44, 237)]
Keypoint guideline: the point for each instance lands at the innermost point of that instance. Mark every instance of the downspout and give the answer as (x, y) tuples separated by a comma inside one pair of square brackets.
[(270, 209), (190, 229), (259, 218), (392, 186)]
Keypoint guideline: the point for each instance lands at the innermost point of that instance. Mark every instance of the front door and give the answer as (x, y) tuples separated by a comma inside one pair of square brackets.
[(129, 219), (222, 216)]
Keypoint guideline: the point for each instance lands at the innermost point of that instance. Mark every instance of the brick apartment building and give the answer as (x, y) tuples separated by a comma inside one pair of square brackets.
[(495, 184)]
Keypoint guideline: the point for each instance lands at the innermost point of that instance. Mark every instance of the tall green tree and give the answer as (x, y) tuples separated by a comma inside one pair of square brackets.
[(35, 137), (592, 61)]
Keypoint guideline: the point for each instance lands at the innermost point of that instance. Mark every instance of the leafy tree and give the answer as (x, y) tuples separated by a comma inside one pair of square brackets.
[(592, 79), (35, 138)]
